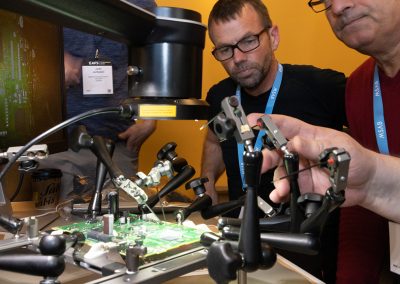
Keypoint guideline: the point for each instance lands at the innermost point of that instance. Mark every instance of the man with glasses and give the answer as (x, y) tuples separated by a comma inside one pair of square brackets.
[(245, 40), (372, 100)]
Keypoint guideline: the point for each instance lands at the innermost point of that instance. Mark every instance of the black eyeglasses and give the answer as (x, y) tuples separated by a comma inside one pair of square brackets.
[(246, 44), (319, 5)]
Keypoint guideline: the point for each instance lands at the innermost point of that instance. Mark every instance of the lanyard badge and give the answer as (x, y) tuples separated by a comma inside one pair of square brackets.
[(268, 110), (379, 117), (97, 77)]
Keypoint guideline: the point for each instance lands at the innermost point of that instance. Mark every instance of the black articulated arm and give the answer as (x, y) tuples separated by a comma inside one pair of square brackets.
[(337, 162), (309, 212), (98, 146), (201, 202), (243, 245), (222, 208), (11, 224), (249, 254), (279, 223), (183, 173), (50, 263)]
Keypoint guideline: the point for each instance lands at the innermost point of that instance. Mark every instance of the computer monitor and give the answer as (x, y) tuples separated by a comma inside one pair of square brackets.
[(31, 81), (31, 86)]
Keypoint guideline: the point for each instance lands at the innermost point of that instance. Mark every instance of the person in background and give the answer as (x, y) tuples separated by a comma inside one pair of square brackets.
[(372, 100), (245, 40), (79, 48)]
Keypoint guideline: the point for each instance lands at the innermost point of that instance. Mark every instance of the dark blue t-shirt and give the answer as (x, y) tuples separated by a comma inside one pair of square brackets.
[(84, 45)]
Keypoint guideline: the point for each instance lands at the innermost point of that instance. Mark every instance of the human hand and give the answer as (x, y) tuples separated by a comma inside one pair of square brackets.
[(309, 141), (72, 69), (136, 134)]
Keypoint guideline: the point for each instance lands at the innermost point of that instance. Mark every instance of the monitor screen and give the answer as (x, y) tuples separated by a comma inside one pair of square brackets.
[(31, 81)]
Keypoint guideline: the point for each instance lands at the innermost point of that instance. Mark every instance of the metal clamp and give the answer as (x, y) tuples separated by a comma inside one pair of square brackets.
[(337, 161)]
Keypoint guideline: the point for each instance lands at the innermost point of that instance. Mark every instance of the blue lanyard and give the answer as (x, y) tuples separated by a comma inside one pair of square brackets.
[(268, 110), (379, 118)]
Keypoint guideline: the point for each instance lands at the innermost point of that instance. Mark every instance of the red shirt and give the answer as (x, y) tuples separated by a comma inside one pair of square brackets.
[(363, 238), (359, 107)]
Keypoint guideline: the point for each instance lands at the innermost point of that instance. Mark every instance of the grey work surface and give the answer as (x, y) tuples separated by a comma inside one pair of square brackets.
[(281, 273), (278, 274)]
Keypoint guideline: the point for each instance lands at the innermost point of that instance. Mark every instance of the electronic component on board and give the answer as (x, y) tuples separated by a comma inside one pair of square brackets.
[(108, 224), (99, 236)]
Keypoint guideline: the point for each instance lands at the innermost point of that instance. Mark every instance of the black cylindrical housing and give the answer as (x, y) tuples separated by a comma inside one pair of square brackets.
[(172, 57)]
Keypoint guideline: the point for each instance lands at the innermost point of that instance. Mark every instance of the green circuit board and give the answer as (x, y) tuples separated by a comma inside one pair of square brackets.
[(31, 73), (161, 239)]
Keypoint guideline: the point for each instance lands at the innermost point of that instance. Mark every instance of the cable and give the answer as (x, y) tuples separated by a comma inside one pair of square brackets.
[(161, 204), (25, 166), (55, 210), (299, 171), (50, 222), (105, 110), (19, 186)]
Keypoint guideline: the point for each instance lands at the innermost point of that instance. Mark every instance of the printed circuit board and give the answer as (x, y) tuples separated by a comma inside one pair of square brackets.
[(161, 239)]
